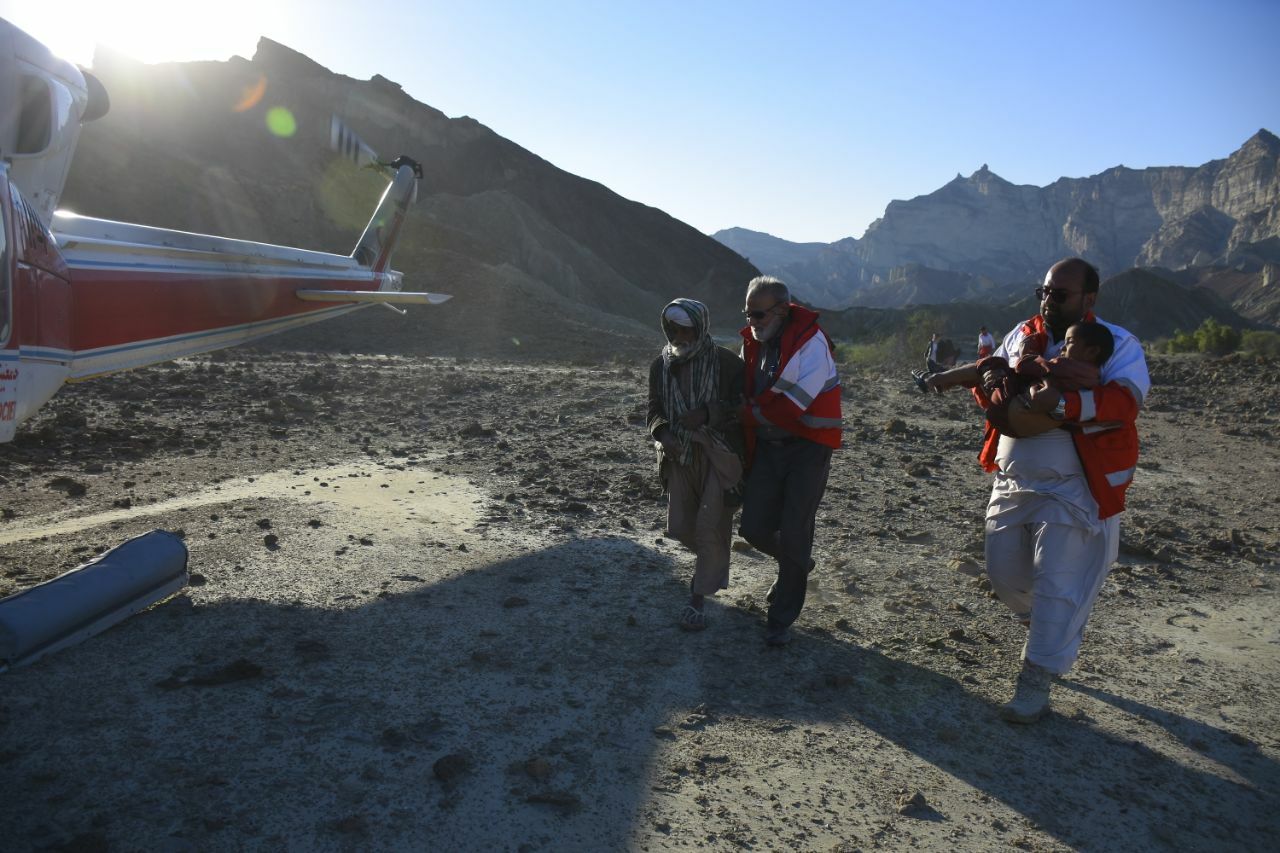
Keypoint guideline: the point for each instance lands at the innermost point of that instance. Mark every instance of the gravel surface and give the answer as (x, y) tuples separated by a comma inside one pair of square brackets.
[(432, 608)]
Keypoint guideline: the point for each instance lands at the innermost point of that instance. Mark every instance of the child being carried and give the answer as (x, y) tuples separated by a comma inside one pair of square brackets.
[(1085, 349)]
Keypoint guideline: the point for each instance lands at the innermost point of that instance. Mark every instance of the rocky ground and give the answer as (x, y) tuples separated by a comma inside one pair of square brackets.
[(432, 608)]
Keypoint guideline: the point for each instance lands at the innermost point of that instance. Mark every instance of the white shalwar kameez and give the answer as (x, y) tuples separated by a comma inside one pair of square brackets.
[(1047, 552)]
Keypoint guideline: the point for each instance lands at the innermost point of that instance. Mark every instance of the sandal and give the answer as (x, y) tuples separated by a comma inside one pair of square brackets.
[(692, 619)]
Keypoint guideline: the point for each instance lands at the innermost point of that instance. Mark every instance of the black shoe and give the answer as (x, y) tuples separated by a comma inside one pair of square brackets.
[(778, 635), (773, 588)]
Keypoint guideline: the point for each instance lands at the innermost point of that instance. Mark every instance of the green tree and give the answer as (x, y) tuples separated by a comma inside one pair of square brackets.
[(1217, 338)]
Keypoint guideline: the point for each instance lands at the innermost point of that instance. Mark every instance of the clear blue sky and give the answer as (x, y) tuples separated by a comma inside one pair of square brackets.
[(802, 119)]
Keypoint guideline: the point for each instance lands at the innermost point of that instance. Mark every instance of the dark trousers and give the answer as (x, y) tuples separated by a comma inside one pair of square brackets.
[(779, 507)]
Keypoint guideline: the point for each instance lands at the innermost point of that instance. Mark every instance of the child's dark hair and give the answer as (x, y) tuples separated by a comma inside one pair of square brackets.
[(1096, 335)]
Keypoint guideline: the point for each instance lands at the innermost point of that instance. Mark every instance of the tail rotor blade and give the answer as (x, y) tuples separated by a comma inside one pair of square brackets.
[(344, 140)]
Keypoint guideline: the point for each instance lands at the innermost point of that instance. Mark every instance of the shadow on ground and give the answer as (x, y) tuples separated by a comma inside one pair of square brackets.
[(529, 704)]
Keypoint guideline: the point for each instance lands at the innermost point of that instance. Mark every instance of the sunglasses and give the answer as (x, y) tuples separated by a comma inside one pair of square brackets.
[(1057, 294), (759, 315)]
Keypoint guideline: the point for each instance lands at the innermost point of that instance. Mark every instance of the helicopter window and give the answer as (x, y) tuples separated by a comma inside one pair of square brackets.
[(35, 122)]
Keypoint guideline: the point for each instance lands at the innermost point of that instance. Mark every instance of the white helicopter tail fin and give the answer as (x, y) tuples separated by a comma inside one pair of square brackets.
[(374, 248)]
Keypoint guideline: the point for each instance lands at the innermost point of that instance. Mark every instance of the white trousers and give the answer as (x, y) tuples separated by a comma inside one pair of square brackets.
[(1052, 574)]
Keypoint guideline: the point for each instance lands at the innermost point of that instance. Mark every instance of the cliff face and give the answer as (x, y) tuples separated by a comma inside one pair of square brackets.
[(981, 225), (1239, 195), (1167, 216), (535, 257), (982, 237)]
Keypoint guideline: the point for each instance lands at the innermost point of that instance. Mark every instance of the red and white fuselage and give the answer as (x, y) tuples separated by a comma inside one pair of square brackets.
[(82, 297), (141, 295)]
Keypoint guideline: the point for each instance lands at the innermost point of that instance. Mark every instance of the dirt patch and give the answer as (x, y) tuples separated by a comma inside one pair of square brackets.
[(462, 634)]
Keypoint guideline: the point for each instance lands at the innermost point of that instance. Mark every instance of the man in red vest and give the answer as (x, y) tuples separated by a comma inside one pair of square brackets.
[(792, 423), (1053, 521)]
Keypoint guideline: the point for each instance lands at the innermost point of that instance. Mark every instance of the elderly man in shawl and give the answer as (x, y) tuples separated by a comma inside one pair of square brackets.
[(694, 390)]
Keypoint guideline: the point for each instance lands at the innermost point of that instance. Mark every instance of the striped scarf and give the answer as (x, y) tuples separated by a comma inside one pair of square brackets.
[(704, 376)]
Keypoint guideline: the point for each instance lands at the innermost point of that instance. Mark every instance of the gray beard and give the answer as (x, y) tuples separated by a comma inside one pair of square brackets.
[(768, 332)]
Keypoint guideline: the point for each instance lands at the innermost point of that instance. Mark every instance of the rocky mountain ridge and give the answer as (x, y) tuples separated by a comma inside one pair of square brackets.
[(537, 258), (984, 229), (541, 262)]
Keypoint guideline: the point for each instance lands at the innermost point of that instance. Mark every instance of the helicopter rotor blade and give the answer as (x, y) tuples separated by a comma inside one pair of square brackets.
[(346, 142)]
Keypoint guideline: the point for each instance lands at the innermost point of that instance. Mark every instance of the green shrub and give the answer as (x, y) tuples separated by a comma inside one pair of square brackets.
[(1181, 342), (872, 355), (1265, 344), (1212, 337), (1217, 338)]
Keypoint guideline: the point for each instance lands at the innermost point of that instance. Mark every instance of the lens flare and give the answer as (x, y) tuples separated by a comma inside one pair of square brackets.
[(251, 95), (281, 122), (346, 195)]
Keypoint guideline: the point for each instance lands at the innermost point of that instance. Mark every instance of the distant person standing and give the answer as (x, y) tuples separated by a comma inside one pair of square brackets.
[(933, 354), (1053, 520), (986, 343), (792, 424), (694, 391)]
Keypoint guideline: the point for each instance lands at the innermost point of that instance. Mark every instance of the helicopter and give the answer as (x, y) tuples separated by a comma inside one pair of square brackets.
[(82, 297)]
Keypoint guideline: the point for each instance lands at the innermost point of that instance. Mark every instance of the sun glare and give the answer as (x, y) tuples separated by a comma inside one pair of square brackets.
[(150, 30)]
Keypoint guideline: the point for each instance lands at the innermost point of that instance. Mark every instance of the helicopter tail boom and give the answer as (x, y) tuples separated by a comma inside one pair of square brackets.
[(374, 248)]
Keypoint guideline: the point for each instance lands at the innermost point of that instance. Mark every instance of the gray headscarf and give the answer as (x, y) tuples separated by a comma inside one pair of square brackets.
[(704, 376)]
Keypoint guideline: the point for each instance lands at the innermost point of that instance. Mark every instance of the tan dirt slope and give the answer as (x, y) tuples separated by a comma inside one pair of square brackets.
[(432, 608)]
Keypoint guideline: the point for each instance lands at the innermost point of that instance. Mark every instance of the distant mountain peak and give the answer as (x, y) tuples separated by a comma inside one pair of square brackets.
[(985, 176), (1263, 141), (982, 177), (739, 230), (744, 239), (273, 54)]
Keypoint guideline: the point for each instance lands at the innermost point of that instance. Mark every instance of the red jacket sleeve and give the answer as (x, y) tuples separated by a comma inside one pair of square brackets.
[(774, 408)]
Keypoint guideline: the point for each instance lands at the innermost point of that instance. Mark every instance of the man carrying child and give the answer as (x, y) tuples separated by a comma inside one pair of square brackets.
[(1061, 470)]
